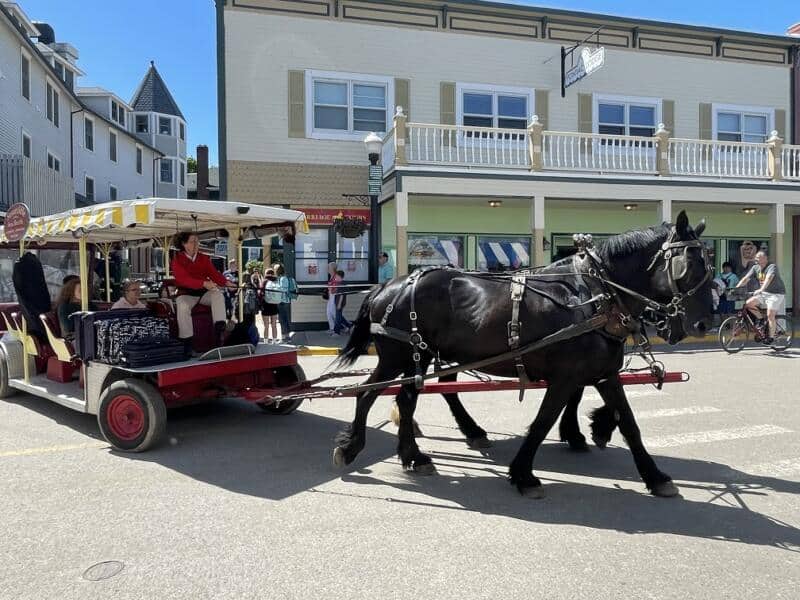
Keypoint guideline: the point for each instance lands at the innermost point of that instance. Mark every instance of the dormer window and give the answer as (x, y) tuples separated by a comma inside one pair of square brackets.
[(164, 126), (60, 70), (117, 113), (142, 124)]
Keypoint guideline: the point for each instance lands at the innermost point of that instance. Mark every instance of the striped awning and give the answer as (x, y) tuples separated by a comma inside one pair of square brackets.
[(154, 218)]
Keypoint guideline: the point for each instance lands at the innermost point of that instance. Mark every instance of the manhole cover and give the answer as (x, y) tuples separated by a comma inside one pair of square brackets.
[(103, 570)]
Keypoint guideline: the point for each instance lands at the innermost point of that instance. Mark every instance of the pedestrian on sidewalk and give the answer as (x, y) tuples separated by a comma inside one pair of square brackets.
[(385, 269), (731, 280), (330, 296), (342, 325), (288, 287), (271, 298)]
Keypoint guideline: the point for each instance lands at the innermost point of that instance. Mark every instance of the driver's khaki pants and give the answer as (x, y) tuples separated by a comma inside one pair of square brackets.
[(184, 305)]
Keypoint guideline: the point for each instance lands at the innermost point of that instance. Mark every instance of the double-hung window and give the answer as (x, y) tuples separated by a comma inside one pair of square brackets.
[(164, 126), (53, 162), (117, 113), (742, 123), (166, 174), (142, 124), (112, 146), (138, 160), (622, 115), (52, 104), (26, 145), (480, 105), (112, 192), (346, 105), (89, 189), (88, 134), (26, 76)]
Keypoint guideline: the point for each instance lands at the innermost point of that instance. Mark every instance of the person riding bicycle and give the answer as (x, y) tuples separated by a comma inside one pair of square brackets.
[(771, 293)]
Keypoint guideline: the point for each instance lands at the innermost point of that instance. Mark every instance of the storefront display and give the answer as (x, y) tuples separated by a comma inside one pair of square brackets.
[(498, 254), (429, 250)]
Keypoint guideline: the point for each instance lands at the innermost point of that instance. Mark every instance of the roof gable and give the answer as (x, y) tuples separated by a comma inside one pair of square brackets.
[(152, 95)]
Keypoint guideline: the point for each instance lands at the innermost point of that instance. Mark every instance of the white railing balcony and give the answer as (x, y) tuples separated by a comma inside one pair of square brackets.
[(467, 146), (702, 158), (534, 150), (790, 163), (597, 152)]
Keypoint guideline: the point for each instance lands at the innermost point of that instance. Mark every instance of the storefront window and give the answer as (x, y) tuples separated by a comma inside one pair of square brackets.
[(352, 256), (429, 250), (742, 254), (311, 256), (497, 254)]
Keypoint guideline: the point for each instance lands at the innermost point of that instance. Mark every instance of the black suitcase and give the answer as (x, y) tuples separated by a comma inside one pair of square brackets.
[(113, 334), (152, 351), (85, 342)]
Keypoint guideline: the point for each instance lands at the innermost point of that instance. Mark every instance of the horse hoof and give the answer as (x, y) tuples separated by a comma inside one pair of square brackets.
[(425, 469), (600, 442), (665, 489), (535, 492), (479, 442), (338, 458), (579, 446)]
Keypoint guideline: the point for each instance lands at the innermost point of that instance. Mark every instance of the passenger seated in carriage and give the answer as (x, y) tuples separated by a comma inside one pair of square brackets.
[(198, 281), (68, 302), (131, 291)]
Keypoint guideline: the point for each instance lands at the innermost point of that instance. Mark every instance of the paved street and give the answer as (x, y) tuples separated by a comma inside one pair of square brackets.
[(245, 505)]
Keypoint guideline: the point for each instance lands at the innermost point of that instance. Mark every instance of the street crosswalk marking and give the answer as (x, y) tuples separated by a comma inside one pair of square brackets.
[(718, 435), (629, 393), (675, 412), (789, 466)]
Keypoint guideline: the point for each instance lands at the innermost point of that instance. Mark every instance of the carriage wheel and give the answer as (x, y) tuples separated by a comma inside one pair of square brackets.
[(784, 329), (5, 391), (132, 415), (284, 376), (733, 334)]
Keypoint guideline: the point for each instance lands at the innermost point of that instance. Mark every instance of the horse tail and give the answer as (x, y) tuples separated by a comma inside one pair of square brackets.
[(360, 336)]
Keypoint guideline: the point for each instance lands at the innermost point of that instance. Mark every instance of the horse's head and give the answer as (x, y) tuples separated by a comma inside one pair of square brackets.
[(681, 279)]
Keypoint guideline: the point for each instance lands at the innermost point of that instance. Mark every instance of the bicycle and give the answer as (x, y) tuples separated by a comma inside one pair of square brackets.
[(734, 332)]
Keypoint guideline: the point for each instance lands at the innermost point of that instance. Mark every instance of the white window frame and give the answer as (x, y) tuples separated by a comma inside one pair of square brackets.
[(120, 111), (113, 135), (94, 131), (56, 159), (181, 173), (181, 130), (115, 195), (349, 79), (147, 119), (52, 88), (760, 111), (172, 171), (94, 188), (25, 55), (171, 125), (24, 135), (598, 99), (495, 90), (138, 160)]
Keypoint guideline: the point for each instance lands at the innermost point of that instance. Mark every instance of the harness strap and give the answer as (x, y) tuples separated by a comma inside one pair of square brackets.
[(518, 286)]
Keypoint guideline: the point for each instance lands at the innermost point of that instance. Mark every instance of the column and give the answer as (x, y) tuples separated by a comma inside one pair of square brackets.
[(401, 218), (664, 211), (537, 232), (777, 227)]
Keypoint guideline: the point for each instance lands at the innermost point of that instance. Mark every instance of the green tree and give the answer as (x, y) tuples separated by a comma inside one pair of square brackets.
[(191, 165)]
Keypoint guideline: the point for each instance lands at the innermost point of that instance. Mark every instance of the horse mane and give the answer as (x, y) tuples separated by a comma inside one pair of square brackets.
[(633, 242)]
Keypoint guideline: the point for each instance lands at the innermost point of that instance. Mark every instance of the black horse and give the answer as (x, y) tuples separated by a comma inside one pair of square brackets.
[(464, 318)]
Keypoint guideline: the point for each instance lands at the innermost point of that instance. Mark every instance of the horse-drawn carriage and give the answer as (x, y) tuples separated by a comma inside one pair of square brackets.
[(131, 401)]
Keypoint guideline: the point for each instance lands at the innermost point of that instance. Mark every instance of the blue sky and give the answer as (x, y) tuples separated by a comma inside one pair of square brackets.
[(118, 38)]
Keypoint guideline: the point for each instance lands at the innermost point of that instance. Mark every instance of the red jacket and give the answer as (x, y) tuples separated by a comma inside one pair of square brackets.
[(190, 274)]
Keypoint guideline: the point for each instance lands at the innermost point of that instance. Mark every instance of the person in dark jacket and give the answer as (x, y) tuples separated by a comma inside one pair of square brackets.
[(198, 281), (69, 301)]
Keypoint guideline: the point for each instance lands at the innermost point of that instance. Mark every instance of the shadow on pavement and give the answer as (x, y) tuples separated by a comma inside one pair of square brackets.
[(485, 490)]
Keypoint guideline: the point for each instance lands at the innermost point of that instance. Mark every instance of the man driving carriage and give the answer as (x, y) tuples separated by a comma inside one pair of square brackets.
[(198, 281)]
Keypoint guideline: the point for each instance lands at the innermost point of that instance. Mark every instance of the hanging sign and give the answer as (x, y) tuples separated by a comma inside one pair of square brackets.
[(17, 219), (326, 216), (588, 62)]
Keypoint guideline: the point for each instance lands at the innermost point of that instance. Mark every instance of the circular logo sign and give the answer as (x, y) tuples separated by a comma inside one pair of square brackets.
[(18, 217)]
